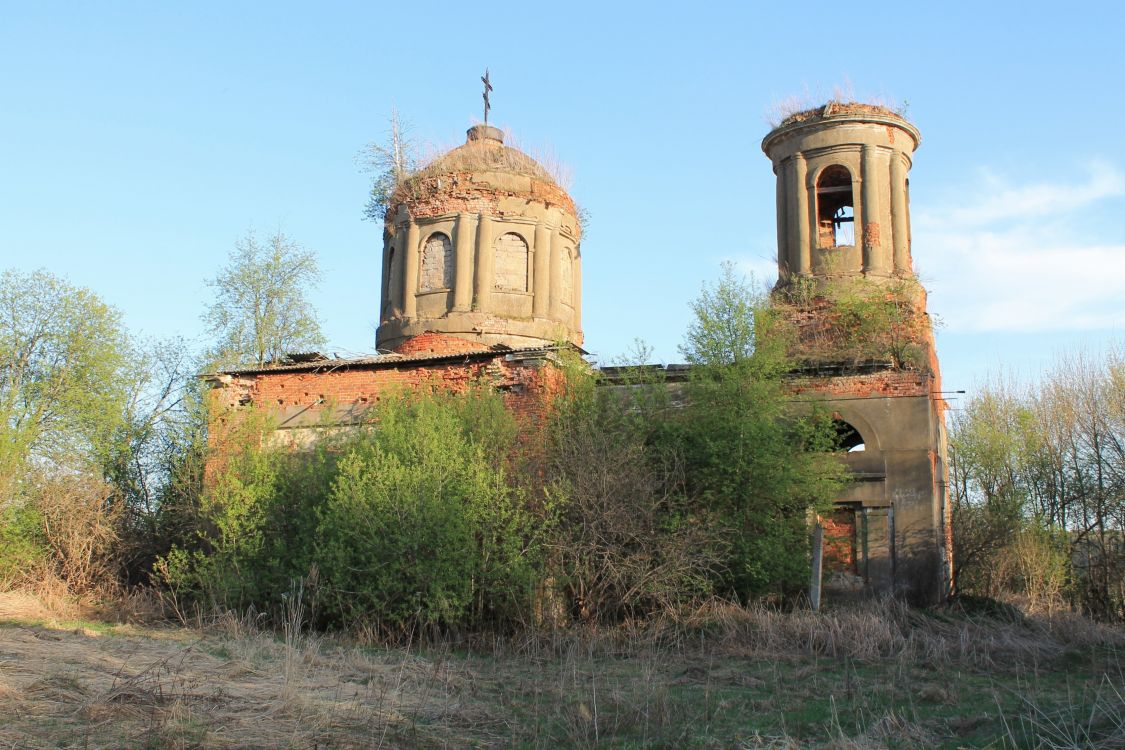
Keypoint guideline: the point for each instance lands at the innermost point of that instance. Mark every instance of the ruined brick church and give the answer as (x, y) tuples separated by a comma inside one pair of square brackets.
[(481, 280)]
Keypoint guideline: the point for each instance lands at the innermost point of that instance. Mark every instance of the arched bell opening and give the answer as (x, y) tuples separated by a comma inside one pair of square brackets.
[(835, 208)]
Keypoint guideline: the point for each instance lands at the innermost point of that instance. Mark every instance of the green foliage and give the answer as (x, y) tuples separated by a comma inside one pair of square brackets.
[(1037, 478), (877, 321), (155, 464), (66, 369), (760, 469), (253, 527), (63, 356), (408, 521), (23, 548), (751, 461), (622, 540), (856, 320), (261, 310), (422, 526), (722, 329)]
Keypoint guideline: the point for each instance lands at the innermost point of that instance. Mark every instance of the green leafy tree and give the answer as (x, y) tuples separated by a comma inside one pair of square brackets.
[(65, 380), (1038, 489), (261, 310), (722, 328), (408, 521), (223, 559), (156, 460), (63, 374), (752, 461)]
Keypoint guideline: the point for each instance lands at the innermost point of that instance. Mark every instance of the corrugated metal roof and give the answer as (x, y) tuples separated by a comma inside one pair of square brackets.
[(386, 360)]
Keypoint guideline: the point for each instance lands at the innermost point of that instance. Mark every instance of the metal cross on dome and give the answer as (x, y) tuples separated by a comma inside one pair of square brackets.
[(487, 88)]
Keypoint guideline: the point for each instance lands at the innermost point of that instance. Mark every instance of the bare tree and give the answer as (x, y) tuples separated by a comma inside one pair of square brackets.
[(391, 163), (1044, 466)]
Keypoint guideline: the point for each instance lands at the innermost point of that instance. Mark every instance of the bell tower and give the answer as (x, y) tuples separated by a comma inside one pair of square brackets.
[(843, 206), (863, 342)]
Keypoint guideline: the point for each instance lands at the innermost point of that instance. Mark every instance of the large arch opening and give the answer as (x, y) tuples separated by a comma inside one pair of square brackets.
[(848, 438)]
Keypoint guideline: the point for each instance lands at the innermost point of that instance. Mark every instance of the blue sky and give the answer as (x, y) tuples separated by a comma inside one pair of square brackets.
[(139, 141)]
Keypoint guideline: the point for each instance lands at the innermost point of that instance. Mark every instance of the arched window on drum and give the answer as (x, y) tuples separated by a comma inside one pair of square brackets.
[(566, 273), (510, 263), (437, 264)]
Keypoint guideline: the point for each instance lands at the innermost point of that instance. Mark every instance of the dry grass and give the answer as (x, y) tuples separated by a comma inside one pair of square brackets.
[(174, 688), (795, 107), (479, 156), (881, 676)]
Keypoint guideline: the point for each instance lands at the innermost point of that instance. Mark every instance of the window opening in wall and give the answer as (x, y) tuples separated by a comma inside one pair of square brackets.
[(848, 438), (835, 208), (437, 263), (510, 270)]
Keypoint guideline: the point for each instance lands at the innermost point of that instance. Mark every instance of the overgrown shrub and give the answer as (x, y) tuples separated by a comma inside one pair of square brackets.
[(856, 320), (407, 521), (23, 550), (421, 527), (758, 469), (255, 523), (80, 525), (622, 539)]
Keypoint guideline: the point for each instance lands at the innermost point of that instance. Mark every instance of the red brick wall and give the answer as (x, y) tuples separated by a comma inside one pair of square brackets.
[(524, 385), (527, 387), (839, 541), (451, 192), (438, 343), (867, 385)]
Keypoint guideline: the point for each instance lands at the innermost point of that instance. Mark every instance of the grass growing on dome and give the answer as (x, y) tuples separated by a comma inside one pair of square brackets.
[(491, 156)]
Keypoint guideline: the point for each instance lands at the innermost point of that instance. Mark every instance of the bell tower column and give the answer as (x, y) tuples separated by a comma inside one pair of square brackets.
[(784, 262), (873, 254), (899, 226), (799, 252)]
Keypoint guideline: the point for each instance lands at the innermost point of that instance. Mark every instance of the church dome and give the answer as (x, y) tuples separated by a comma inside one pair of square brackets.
[(481, 244), (484, 150), (476, 176)]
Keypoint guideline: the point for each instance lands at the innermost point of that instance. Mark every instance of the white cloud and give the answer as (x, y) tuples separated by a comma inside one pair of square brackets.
[(1008, 257), (762, 270), (994, 200)]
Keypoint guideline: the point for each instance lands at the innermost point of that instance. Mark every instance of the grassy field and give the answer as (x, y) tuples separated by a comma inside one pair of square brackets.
[(880, 676)]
